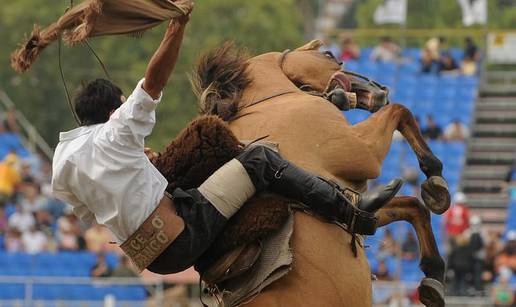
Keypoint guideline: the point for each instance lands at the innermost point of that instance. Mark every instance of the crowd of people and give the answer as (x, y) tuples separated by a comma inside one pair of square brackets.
[(456, 131), (435, 55), (478, 262)]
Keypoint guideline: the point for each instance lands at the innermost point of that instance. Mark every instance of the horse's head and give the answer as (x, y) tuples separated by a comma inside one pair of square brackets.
[(310, 69), (224, 74)]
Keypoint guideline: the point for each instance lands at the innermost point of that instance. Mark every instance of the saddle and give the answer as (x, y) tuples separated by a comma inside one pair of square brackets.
[(233, 263)]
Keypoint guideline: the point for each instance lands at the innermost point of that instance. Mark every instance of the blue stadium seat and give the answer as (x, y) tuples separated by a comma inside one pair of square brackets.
[(12, 291)]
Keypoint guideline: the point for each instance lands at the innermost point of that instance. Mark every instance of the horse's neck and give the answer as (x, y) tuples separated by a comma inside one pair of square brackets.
[(267, 80)]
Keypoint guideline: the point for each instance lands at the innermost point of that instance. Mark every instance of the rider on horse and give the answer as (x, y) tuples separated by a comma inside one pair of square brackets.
[(101, 169)]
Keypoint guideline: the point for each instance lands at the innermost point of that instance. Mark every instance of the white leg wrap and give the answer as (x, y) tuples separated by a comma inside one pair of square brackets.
[(228, 188)]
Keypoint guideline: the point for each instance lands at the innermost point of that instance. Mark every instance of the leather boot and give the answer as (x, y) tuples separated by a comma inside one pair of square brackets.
[(268, 170)]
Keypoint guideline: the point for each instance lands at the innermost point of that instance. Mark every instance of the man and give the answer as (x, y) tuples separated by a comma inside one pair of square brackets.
[(456, 220), (386, 51), (456, 131), (432, 130), (9, 177), (100, 168)]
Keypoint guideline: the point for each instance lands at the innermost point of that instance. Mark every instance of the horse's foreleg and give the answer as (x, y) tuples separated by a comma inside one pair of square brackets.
[(410, 209), (382, 124)]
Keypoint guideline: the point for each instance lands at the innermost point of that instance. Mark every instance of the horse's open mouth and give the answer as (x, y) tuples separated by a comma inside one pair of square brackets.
[(339, 80)]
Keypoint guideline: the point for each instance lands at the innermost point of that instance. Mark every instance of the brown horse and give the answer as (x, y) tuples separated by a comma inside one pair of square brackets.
[(260, 96)]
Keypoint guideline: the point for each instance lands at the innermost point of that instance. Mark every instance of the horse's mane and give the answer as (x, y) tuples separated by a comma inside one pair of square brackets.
[(219, 80)]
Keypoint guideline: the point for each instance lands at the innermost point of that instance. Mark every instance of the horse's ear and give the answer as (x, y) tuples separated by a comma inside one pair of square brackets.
[(313, 45)]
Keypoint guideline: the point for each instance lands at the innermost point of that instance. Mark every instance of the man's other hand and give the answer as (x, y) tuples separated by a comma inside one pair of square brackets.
[(149, 153)]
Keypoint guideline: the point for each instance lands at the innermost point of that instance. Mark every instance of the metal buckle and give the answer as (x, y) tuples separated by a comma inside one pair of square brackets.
[(279, 172)]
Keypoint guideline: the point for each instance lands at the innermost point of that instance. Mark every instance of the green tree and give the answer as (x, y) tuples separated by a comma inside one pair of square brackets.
[(260, 26)]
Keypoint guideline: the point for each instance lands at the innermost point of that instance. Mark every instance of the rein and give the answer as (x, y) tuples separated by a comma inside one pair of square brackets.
[(280, 64), (265, 99), (67, 92)]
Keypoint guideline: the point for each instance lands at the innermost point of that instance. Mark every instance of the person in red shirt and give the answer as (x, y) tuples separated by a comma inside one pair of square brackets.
[(456, 219)]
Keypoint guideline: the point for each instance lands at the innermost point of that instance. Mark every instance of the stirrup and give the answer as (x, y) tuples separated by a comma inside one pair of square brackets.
[(357, 220)]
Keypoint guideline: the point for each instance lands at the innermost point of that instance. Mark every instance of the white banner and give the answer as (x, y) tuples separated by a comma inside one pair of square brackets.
[(473, 12), (500, 48), (391, 11)]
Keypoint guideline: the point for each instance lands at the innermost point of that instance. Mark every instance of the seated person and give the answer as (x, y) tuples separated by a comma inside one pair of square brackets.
[(386, 51), (448, 65), (456, 131)]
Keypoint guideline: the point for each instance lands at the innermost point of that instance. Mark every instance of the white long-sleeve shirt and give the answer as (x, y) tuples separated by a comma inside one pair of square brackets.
[(102, 171)]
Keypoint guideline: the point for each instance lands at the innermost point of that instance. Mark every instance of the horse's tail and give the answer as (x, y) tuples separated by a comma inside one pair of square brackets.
[(219, 80)]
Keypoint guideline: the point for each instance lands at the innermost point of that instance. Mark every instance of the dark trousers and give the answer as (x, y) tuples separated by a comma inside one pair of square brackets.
[(202, 225)]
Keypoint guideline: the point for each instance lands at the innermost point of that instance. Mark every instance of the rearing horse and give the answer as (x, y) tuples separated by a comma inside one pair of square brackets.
[(260, 96)]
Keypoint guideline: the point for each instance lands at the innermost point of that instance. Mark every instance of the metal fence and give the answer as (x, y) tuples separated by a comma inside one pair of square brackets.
[(28, 292), (400, 294), (388, 294)]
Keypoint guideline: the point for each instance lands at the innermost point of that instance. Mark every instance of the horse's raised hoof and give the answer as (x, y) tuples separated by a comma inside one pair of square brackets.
[(431, 292), (435, 194)]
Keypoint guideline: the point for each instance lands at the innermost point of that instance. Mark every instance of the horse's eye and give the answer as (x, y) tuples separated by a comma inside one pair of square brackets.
[(329, 55)]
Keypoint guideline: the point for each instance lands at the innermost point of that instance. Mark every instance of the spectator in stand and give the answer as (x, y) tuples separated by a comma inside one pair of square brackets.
[(456, 219), (460, 262), (13, 240), (409, 247), (388, 247), (456, 131), (493, 247), (10, 121), (125, 268), (69, 232), (97, 239), (411, 177), (431, 55), (471, 57), (101, 268), (428, 65), (32, 201), (34, 241), (30, 198), (432, 131), (509, 183), (331, 46), (448, 65), (3, 221), (435, 47), (349, 50), (386, 51), (476, 243), (22, 219), (502, 293), (9, 177), (507, 258), (382, 273)]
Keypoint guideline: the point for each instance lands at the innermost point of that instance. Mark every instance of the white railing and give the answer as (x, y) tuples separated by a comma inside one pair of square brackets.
[(154, 286), (396, 293), (385, 293)]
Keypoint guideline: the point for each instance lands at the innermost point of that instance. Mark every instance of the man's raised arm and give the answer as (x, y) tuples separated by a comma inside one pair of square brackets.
[(164, 59)]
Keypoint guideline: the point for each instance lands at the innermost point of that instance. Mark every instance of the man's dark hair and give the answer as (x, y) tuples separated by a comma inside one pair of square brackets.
[(94, 101)]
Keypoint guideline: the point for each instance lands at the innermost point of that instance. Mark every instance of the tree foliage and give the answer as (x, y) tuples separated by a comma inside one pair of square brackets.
[(260, 26), (425, 14)]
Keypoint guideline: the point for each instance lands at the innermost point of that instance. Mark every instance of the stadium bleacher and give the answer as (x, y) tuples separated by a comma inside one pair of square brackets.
[(63, 264), (445, 98)]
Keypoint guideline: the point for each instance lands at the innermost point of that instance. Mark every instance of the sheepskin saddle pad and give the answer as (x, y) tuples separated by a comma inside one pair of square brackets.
[(200, 149)]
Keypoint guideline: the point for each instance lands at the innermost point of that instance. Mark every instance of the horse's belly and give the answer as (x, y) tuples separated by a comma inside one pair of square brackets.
[(324, 273)]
